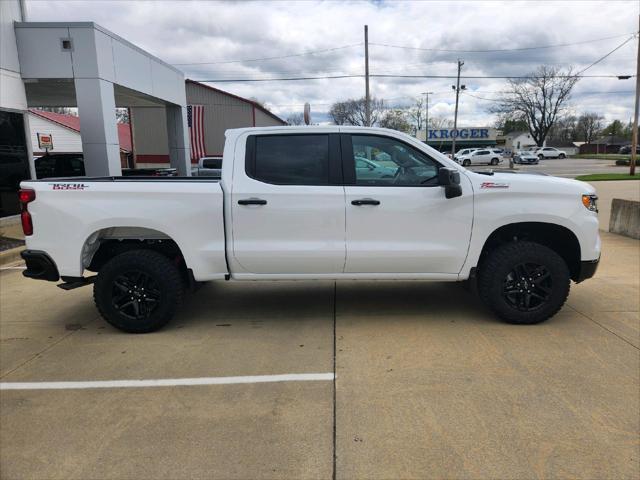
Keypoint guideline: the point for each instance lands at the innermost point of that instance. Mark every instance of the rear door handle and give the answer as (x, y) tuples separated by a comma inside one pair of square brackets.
[(365, 201), (252, 201)]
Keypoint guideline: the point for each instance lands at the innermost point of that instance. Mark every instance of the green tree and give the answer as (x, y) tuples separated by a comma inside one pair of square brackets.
[(614, 129), (396, 119), (509, 125)]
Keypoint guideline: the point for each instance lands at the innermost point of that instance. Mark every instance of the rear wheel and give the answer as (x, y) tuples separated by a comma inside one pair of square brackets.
[(138, 291), (524, 282)]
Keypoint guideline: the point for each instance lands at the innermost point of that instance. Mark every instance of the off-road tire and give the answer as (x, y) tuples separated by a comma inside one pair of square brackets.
[(167, 282), (493, 277)]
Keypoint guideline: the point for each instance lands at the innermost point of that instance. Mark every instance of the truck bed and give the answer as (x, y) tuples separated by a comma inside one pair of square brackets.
[(72, 216)]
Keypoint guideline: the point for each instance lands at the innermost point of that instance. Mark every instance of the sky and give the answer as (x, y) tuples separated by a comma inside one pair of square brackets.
[(218, 40)]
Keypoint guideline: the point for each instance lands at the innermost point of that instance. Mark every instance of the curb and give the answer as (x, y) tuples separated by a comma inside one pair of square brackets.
[(11, 256)]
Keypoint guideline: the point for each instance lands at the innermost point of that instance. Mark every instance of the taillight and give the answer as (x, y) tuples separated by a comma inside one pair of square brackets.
[(26, 196)]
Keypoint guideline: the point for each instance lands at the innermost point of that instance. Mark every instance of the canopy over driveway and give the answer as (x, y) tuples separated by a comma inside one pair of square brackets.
[(81, 64)]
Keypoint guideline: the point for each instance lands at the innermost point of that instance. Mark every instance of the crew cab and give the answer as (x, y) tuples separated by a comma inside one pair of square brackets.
[(292, 205)]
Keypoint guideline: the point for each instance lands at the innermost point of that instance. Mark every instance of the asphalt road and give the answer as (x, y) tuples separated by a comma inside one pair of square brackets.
[(427, 383), (569, 167)]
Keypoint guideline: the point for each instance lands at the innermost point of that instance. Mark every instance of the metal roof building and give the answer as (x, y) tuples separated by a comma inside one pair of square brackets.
[(222, 110)]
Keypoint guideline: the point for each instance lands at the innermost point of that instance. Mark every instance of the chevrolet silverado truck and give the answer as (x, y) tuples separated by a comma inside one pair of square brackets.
[(291, 204)]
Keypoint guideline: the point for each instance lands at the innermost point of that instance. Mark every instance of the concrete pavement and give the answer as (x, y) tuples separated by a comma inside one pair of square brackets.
[(428, 385)]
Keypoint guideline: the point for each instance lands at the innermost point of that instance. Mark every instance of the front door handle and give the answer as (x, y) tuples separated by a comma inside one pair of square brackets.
[(365, 201), (252, 201)]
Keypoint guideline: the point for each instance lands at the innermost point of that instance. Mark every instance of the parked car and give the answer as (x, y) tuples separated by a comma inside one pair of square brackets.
[(525, 157), (482, 156), (626, 149), (550, 152), (208, 167), (464, 152), (367, 169), (59, 165), (291, 204)]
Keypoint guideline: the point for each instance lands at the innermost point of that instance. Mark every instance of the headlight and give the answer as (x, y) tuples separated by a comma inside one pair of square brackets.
[(590, 202)]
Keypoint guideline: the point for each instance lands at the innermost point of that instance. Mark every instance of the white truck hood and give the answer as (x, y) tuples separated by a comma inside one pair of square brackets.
[(526, 182)]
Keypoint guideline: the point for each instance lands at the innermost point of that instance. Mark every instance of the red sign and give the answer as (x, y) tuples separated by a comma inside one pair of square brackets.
[(45, 141)]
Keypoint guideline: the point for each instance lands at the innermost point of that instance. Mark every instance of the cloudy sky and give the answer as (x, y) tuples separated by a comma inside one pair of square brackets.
[(275, 39)]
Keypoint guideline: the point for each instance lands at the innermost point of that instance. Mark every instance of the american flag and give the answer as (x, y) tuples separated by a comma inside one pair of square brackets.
[(195, 119)]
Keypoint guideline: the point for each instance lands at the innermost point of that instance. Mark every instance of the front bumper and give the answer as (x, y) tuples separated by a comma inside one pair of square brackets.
[(587, 270), (40, 266)]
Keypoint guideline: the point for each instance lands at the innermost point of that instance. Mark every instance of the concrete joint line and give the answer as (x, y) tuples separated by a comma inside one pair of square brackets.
[(167, 382)]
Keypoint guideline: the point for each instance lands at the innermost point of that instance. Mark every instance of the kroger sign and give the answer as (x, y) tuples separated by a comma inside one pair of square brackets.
[(462, 133)]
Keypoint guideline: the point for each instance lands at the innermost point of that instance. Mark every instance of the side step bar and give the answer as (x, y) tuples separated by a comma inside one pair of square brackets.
[(75, 282)]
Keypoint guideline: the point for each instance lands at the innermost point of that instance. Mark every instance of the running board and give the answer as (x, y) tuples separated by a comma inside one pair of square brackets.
[(76, 282)]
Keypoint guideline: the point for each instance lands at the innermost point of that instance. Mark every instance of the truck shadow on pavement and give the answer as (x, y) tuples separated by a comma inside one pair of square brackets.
[(222, 304)]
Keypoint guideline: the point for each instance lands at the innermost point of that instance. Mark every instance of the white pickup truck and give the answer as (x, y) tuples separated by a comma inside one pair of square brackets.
[(291, 205)]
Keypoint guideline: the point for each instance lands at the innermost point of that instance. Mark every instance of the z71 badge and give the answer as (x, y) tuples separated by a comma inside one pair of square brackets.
[(494, 185), (68, 186)]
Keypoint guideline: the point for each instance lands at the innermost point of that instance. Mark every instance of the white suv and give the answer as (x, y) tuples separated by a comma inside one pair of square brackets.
[(480, 156), (550, 152)]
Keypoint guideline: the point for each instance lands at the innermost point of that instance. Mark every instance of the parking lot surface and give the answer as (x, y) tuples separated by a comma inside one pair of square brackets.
[(567, 167), (428, 384)]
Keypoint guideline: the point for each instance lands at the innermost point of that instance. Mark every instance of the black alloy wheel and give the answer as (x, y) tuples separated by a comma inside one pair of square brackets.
[(135, 295), (527, 287)]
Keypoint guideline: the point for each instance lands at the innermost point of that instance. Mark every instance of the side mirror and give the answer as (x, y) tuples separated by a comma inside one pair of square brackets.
[(449, 178)]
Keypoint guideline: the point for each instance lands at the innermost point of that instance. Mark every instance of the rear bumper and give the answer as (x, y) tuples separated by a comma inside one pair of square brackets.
[(587, 270), (40, 266)]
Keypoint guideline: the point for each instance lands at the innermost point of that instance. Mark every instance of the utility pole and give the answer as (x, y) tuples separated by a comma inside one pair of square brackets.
[(457, 88), (367, 106), (634, 137), (426, 118)]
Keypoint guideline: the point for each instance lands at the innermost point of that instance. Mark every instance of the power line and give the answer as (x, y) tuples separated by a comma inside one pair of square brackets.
[(496, 50), (336, 77), (271, 58), (605, 56)]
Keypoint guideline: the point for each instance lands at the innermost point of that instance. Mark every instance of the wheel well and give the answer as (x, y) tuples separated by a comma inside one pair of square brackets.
[(556, 237), (105, 244)]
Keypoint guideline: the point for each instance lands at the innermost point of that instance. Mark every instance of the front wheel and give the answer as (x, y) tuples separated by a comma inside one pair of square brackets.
[(562, 155), (466, 163), (540, 157), (494, 161), (524, 282), (138, 291)]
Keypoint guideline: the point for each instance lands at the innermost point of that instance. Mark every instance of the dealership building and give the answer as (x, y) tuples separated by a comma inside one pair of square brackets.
[(85, 66)]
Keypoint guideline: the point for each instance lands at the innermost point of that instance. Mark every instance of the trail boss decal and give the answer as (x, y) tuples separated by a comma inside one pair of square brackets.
[(494, 185), (68, 186)]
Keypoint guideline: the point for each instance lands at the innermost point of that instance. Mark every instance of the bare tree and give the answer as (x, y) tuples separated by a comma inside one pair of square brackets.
[(539, 99), (396, 119), (564, 130), (353, 112), (589, 126), (440, 122), (295, 119), (417, 114)]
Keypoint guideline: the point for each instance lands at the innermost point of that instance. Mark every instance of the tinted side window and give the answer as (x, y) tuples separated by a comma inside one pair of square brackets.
[(291, 159), (391, 163)]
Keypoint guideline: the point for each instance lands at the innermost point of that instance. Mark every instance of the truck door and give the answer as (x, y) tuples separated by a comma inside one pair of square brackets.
[(402, 223), (288, 205)]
